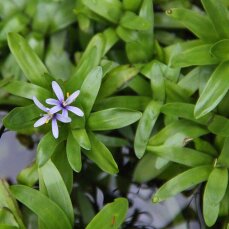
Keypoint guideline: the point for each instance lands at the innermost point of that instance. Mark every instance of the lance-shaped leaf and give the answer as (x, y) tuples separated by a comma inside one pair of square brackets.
[(214, 193), (177, 133), (219, 125), (181, 155), (100, 154), (112, 141), (27, 90), (89, 60), (223, 159), (130, 20), (221, 49), (56, 189), (7, 201), (89, 89), (218, 14), (108, 9), (199, 55), (216, 88), (21, 117), (181, 182), (197, 23), (216, 186), (113, 118), (125, 101), (81, 137), (28, 60), (51, 215), (73, 153), (149, 167), (145, 126), (46, 147), (111, 216), (116, 79)]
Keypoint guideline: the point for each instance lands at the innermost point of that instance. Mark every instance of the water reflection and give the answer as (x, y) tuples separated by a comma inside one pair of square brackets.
[(14, 156)]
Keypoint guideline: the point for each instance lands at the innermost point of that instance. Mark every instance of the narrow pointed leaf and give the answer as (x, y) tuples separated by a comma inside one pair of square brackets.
[(73, 153), (181, 155), (111, 216), (48, 212), (56, 189), (216, 88), (183, 181), (223, 158), (82, 138), (221, 49), (197, 23), (145, 127), (27, 59), (100, 154), (218, 14), (113, 118), (89, 89)]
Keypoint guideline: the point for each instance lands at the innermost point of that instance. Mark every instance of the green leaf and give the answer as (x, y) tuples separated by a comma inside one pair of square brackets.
[(73, 153), (198, 55), (223, 159), (216, 186), (28, 176), (219, 125), (108, 9), (89, 90), (177, 133), (59, 158), (7, 201), (186, 111), (100, 154), (216, 88), (131, 5), (56, 189), (218, 14), (197, 23), (181, 155), (125, 101), (112, 141), (132, 21), (21, 117), (210, 213), (145, 126), (89, 60), (154, 72), (113, 118), (111, 216), (220, 50), (81, 137), (116, 80), (149, 167), (27, 90), (181, 182), (46, 148), (28, 60), (48, 212)]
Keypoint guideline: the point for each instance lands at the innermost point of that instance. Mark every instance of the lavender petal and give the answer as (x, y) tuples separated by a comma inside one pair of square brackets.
[(41, 121), (55, 130), (72, 97), (55, 109), (63, 119), (58, 91), (39, 104), (52, 101), (75, 110), (65, 112)]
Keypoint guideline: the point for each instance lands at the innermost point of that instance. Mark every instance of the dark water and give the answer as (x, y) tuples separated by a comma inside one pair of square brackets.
[(14, 156)]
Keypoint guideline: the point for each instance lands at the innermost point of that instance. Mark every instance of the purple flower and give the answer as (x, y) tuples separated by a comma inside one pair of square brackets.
[(61, 104), (47, 117)]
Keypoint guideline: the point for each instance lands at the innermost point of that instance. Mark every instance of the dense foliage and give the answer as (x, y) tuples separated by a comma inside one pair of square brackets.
[(95, 78)]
